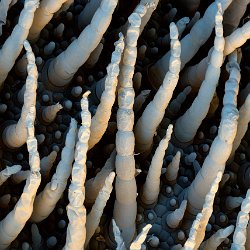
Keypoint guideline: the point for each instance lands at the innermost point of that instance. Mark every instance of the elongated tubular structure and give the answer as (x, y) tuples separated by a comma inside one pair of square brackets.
[(233, 15), (59, 71), (125, 204), (217, 238), (151, 6), (99, 121), (219, 151), (7, 172), (48, 114), (240, 233), (36, 237), (146, 126), (15, 135), (197, 231), (47, 163), (87, 13), (14, 222), (76, 231), (190, 44), (94, 185), (42, 16), (136, 244), (94, 216), (195, 74), (14, 44), (45, 201), (4, 7), (188, 124), (181, 25), (247, 244), (151, 187), (174, 218), (173, 168), (244, 118)]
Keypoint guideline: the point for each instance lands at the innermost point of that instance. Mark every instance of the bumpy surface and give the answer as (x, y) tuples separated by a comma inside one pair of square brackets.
[(122, 134)]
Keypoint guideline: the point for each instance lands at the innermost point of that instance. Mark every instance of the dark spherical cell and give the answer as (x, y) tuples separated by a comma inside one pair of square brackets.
[(55, 147), (183, 181), (62, 224), (221, 219), (212, 219), (154, 51), (7, 96), (240, 158), (3, 108), (51, 242), (19, 157), (91, 78), (69, 16), (67, 105), (58, 136), (79, 79), (60, 211), (45, 98)]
